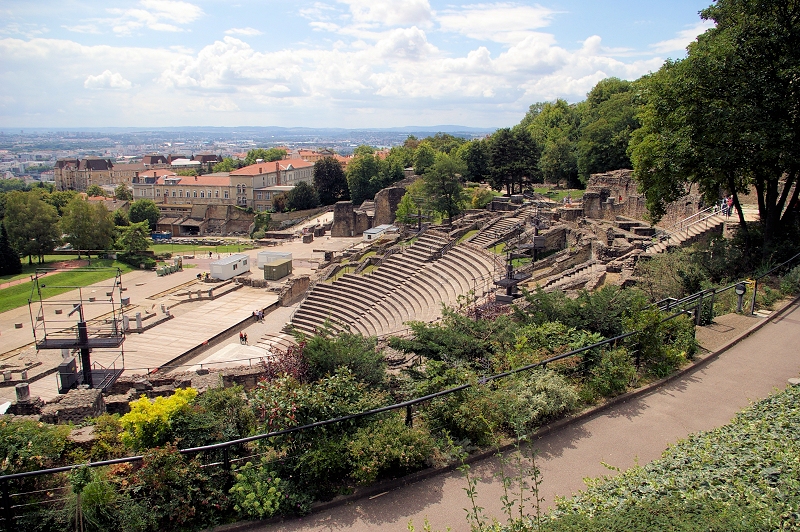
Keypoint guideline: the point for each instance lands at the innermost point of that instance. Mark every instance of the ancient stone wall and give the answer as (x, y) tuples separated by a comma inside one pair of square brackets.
[(363, 222), (344, 219), (74, 406), (614, 193), (297, 287), (386, 202)]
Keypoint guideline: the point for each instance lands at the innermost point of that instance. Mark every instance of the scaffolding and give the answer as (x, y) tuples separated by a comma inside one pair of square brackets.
[(95, 319)]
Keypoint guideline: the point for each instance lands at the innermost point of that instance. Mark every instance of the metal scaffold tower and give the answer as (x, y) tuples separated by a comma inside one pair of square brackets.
[(92, 319)]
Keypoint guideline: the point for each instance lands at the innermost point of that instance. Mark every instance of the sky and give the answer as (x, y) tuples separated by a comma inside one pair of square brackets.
[(329, 63)]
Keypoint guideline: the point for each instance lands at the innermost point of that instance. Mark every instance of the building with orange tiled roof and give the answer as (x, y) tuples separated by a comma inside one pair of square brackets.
[(285, 172)]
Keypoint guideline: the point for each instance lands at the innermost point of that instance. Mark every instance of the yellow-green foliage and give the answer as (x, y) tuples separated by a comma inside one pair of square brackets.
[(147, 424)]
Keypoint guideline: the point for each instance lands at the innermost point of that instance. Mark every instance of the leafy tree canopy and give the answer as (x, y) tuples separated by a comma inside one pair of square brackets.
[(303, 196), (726, 117), (144, 210), (330, 181), (267, 155), (122, 192)]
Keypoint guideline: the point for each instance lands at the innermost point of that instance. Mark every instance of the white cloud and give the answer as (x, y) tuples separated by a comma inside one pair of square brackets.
[(498, 22), (390, 12), (107, 80), (155, 15), (243, 31), (682, 39), (29, 30)]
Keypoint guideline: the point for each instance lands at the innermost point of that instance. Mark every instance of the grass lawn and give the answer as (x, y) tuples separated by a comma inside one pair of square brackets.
[(467, 236), (558, 194), (183, 248), (17, 295)]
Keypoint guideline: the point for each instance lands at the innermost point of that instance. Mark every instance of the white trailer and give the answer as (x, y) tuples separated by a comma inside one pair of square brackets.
[(229, 267)]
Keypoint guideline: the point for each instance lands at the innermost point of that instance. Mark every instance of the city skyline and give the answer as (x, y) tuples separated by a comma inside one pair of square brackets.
[(345, 63)]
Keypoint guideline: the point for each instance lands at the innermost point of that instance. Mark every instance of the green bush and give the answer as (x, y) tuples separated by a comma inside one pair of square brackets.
[(613, 374), (790, 284), (217, 415), (136, 260), (175, 492), (388, 447), (515, 404), (30, 445), (257, 491), (328, 351)]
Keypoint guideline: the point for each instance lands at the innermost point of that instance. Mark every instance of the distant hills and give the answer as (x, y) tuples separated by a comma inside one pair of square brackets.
[(262, 130)]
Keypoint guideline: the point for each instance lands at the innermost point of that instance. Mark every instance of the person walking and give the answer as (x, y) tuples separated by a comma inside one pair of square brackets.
[(241, 337), (730, 205)]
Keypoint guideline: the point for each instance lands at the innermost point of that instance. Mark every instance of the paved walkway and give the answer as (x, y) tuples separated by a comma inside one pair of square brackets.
[(635, 431)]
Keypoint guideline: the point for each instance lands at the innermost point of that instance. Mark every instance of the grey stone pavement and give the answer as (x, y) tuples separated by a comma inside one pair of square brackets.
[(633, 431)]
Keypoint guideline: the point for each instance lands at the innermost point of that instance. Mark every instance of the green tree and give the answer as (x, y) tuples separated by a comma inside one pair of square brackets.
[(120, 218), (228, 164), (134, 237), (59, 199), (424, 157), (87, 225), (279, 202), (330, 181), (122, 192), (9, 259), (443, 185), (511, 152), (475, 155), (363, 150), (188, 172), (406, 210), (444, 142), (144, 210), (608, 120), (303, 196), (95, 190), (727, 116), (367, 174), (555, 130), (32, 224), (267, 155)]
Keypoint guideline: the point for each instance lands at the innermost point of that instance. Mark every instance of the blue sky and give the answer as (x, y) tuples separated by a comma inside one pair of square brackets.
[(328, 63)]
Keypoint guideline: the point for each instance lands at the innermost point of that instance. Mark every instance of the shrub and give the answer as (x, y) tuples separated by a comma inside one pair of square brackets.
[(175, 491), (388, 447), (515, 404), (107, 438), (613, 373), (257, 491), (327, 351), (219, 414), (30, 445), (790, 284), (147, 425)]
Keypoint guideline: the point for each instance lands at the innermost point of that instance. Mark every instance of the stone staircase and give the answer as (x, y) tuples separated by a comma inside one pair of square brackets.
[(496, 231), (686, 234)]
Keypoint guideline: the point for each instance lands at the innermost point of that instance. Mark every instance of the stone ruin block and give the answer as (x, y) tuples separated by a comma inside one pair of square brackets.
[(165, 390), (120, 403), (74, 406)]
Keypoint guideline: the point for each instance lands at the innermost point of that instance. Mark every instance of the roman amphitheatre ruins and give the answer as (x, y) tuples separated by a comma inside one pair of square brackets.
[(180, 328)]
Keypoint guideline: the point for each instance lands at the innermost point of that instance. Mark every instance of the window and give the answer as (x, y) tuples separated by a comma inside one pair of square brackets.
[(195, 194), (226, 194), (267, 195), (187, 194), (173, 193), (216, 194), (202, 193), (158, 192), (180, 193), (258, 195)]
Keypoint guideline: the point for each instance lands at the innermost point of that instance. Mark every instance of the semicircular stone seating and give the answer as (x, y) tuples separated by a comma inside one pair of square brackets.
[(411, 285)]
